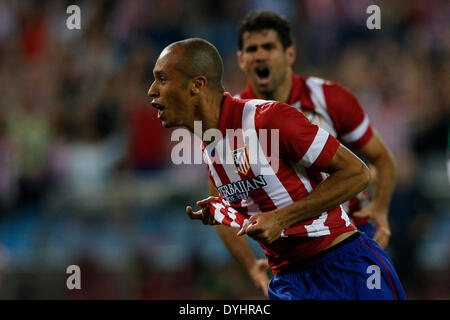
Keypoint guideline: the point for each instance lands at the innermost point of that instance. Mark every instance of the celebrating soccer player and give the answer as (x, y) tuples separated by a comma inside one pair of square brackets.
[(285, 195)]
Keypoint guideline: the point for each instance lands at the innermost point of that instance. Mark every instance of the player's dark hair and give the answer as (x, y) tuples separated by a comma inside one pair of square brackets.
[(200, 57), (259, 20)]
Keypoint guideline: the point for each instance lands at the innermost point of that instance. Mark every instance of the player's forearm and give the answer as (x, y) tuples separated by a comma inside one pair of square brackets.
[(383, 183), (339, 187), (237, 246)]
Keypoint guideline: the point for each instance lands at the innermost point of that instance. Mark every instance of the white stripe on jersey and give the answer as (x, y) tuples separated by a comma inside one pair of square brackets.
[(318, 99), (274, 188), (358, 132), (318, 228), (315, 148), (344, 216)]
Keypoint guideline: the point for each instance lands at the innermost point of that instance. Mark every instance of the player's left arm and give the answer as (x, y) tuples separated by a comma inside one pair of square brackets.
[(353, 127), (382, 164), (311, 147)]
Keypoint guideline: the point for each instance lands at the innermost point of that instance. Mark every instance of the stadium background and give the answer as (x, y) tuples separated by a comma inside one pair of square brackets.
[(85, 170)]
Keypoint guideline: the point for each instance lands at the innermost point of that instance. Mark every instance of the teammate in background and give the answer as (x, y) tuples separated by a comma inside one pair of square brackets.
[(293, 210), (266, 54)]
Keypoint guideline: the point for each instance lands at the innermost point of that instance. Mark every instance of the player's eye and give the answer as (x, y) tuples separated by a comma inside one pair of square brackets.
[(160, 77), (268, 46)]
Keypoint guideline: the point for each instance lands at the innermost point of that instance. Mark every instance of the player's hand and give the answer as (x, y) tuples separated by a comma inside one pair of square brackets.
[(258, 273), (202, 214), (263, 227), (380, 218)]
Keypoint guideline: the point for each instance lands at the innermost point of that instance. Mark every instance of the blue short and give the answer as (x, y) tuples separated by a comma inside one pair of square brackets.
[(356, 268), (368, 228)]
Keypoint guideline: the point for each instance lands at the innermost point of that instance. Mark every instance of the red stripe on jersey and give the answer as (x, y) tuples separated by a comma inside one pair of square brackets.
[(335, 219), (329, 150), (221, 173), (297, 90), (226, 220), (361, 142), (305, 96), (209, 174)]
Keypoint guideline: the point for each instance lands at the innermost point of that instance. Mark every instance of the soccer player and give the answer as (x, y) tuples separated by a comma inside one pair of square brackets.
[(293, 209), (266, 54)]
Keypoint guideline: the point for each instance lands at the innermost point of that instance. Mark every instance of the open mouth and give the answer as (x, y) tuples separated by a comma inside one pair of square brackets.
[(262, 72), (160, 109), (158, 106)]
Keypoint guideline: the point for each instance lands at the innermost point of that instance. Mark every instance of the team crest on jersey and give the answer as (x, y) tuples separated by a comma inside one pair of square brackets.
[(241, 160)]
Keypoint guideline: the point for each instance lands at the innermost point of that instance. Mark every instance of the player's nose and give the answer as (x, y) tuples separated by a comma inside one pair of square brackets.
[(153, 90), (259, 54)]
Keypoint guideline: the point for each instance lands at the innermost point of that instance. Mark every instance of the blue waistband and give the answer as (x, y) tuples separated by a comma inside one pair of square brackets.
[(337, 250)]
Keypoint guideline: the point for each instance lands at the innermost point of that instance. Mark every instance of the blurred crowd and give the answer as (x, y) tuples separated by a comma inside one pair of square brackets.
[(85, 170)]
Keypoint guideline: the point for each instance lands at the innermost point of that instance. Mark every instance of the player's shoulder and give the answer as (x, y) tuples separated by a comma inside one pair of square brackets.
[(330, 86), (332, 94), (268, 107), (318, 89), (259, 104)]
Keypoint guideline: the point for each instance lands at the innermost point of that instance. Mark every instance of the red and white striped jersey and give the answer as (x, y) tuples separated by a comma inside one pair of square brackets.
[(283, 166), (333, 108)]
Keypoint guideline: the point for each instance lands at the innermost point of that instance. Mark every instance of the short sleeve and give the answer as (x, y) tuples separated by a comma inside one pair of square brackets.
[(350, 121), (300, 141)]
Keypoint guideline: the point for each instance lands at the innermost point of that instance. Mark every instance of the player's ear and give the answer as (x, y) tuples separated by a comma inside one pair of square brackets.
[(198, 84), (240, 59), (291, 54)]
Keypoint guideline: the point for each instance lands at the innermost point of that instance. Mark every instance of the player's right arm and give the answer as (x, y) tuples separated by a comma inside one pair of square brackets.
[(382, 161), (242, 252)]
